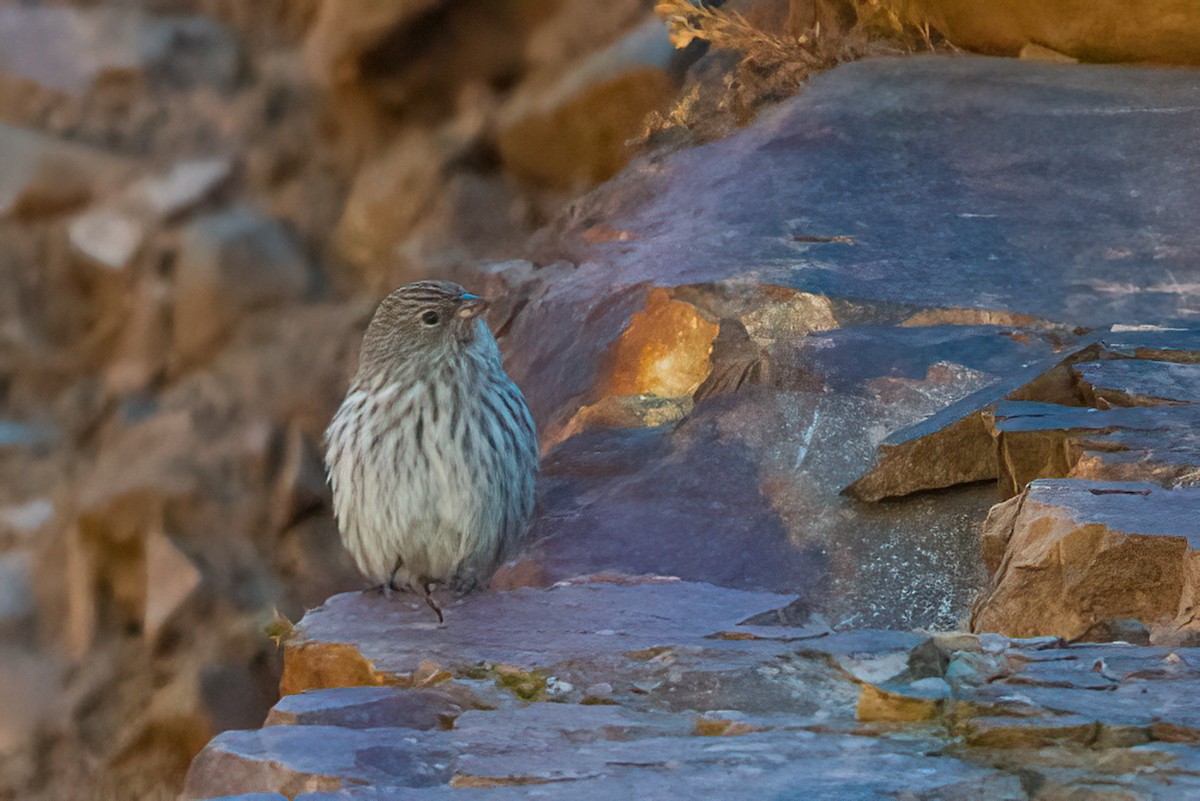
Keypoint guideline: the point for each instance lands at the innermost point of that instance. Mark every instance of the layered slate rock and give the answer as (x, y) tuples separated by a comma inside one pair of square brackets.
[(1070, 556), (737, 481), (1041, 440), (602, 689), (1015, 162), (715, 341), (1117, 406)]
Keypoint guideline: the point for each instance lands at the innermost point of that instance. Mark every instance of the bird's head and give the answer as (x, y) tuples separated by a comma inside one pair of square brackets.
[(424, 319)]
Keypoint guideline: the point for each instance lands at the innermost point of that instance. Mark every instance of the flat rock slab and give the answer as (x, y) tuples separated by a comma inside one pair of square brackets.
[(936, 181), (949, 716), (495, 762), (1139, 443), (560, 641), (1140, 382), (1117, 405), (367, 708)]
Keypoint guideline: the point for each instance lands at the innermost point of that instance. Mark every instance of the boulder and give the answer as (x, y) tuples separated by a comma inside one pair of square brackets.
[(43, 176), (343, 33), (1155, 31), (818, 196), (569, 128), (230, 263), (390, 194), (70, 50), (1076, 554), (1114, 406)]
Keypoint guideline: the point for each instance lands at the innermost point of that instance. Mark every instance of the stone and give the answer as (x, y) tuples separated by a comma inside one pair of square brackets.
[(300, 486), (298, 759), (368, 708), (836, 162), (1138, 382), (1150, 31), (955, 445), (171, 578), (343, 33), (389, 196), (187, 184), (65, 49), (1035, 52), (108, 236), (70, 50), (23, 519), (45, 176), (142, 349), (24, 434), (1042, 440), (1067, 415), (230, 263), (610, 620), (16, 590), (1080, 553), (111, 233), (568, 128)]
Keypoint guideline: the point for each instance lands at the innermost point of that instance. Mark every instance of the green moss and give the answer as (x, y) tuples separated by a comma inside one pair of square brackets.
[(528, 685)]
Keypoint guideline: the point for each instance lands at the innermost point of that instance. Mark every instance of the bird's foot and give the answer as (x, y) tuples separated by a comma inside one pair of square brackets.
[(432, 603), (386, 589)]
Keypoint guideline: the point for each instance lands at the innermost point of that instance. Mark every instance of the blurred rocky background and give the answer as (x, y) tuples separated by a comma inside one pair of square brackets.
[(202, 200)]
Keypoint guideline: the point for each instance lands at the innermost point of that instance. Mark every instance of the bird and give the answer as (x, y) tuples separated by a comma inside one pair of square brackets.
[(433, 454)]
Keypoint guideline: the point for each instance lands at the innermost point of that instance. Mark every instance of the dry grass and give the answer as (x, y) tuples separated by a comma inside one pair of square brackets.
[(729, 30), (772, 65)]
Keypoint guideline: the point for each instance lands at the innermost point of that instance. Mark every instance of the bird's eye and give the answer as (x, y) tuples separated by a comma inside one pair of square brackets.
[(430, 318)]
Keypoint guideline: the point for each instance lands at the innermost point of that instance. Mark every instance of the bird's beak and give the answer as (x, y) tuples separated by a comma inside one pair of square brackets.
[(471, 306)]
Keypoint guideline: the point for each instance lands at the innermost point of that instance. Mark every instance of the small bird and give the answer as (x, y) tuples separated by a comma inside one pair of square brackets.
[(433, 455)]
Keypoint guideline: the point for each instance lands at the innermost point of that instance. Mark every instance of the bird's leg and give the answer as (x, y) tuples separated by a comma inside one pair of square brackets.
[(389, 586), (431, 603)]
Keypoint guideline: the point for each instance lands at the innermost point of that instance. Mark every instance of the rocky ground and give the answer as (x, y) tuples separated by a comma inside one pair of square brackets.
[(783, 375)]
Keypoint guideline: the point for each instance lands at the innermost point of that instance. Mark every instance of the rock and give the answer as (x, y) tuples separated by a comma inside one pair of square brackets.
[(297, 759), (1080, 553), (1035, 52), (810, 195), (187, 184), (1063, 416), (31, 696), (300, 486), (610, 620), (142, 349), (44, 176), (1106, 32), (1039, 695), (171, 577), (231, 263), (703, 677), (111, 233), (22, 434), (69, 50), (956, 445), (569, 128), (342, 34), (108, 236), (1042, 440), (16, 590), (1138, 382), (389, 196), (66, 49), (367, 708), (21, 520), (744, 474)]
